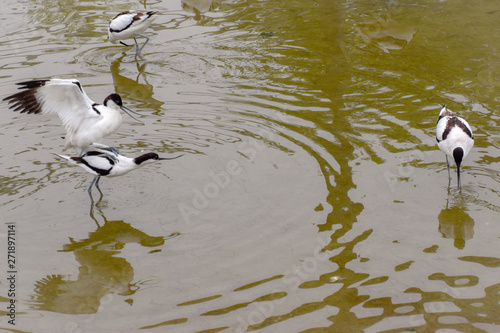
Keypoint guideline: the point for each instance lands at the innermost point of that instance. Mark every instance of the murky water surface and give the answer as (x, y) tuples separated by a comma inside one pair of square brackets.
[(311, 196)]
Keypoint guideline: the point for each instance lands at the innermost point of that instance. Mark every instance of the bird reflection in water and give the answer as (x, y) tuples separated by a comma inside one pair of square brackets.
[(135, 86), (197, 7), (391, 31), (455, 223), (101, 272)]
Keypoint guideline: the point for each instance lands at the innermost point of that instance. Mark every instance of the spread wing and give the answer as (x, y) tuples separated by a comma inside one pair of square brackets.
[(66, 98)]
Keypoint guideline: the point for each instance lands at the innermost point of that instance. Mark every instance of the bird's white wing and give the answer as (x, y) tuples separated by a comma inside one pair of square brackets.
[(93, 162), (99, 163), (66, 98), (468, 127), (441, 127), (122, 21)]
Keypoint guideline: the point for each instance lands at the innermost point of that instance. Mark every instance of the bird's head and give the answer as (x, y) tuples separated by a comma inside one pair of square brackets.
[(458, 155), (115, 101), (112, 39), (150, 158), (113, 98)]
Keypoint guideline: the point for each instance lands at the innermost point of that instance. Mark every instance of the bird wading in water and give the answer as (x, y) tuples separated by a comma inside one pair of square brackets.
[(103, 161), (454, 138), (130, 24)]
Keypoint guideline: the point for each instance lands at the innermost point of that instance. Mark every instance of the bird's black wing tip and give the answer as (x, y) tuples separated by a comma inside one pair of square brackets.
[(32, 84), (25, 85)]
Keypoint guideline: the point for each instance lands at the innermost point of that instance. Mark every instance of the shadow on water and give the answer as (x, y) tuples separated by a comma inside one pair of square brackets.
[(102, 273)]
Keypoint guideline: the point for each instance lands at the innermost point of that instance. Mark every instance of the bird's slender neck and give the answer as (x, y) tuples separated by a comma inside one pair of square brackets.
[(149, 157), (112, 105)]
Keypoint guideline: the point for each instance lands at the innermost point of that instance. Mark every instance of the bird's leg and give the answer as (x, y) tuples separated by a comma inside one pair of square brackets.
[(112, 157), (136, 48), (81, 152), (137, 51), (97, 185), (107, 148), (110, 149), (448, 166), (90, 188), (114, 150), (458, 178), (147, 40)]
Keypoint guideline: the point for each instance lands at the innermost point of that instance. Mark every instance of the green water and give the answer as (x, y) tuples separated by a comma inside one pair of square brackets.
[(311, 196)]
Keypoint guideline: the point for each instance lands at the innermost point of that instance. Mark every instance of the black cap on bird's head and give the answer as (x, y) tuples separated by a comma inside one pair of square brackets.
[(115, 98)]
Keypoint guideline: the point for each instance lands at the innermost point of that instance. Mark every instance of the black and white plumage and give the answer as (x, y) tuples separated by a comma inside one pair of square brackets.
[(454, 137), (129, 24), (84, 120), (101, 160)]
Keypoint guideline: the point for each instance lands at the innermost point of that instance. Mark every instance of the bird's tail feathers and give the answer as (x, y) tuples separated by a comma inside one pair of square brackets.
[(62, 156), (68, 158)]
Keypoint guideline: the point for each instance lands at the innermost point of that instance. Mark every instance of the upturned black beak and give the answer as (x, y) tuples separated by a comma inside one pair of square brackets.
[(127, 110), (169, 158)]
